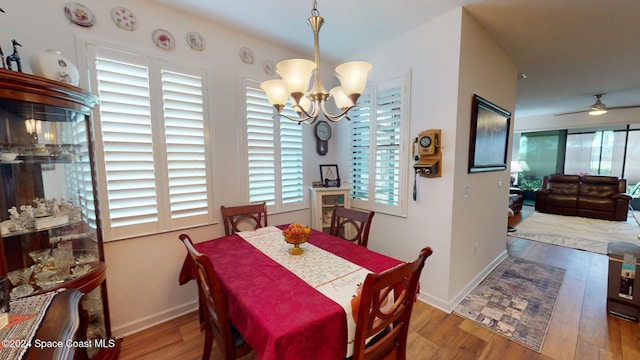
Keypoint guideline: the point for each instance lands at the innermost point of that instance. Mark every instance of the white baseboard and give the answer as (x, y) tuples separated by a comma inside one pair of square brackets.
[(449, 306), (152, 320)]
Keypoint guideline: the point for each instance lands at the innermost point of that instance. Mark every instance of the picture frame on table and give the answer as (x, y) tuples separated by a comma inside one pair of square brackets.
[(490, 128), (329, 175)]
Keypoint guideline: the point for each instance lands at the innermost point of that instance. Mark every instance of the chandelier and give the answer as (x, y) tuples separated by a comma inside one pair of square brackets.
[(295, 78)]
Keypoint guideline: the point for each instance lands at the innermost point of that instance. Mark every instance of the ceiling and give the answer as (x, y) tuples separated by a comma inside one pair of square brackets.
[(568, 49)]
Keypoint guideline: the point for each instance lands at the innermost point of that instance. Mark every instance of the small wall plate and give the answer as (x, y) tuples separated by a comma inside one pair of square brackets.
[(124, 18), (79, 14), (163, 39), (246, 55)]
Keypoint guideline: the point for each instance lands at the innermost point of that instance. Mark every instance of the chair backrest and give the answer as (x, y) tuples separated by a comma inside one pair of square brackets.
[(243, 217), (374, 314), (212, 301), (350, 224)]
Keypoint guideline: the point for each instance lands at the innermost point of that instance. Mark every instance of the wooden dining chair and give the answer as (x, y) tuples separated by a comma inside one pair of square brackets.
[(350, 224), (243, 216), (387, 324), (213, 308)]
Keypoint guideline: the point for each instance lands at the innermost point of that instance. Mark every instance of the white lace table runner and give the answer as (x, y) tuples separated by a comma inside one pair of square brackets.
[(331, 275)]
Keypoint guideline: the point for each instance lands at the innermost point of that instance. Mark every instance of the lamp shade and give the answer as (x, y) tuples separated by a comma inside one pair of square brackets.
[(353, 76), (276, 91), (340, 98), (304, 103), (296, 74), (515, 167)]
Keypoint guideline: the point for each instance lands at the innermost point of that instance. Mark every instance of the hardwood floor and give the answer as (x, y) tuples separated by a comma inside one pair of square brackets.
[(580, 327)]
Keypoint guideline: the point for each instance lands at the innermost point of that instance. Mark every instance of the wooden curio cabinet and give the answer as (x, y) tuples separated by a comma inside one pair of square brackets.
[(51, 235)]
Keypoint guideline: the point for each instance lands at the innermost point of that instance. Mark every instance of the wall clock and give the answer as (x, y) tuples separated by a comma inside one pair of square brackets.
[(322, 131)]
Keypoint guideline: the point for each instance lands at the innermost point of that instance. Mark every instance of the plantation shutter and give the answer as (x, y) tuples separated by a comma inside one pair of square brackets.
[(184, 126), (127, 139), (291, 159), (377, 172), (260, 147), (387, 169), (151, 129), (360, 145), (274, 153)]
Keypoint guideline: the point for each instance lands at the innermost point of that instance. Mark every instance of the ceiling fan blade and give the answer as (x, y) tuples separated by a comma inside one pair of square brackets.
[(624, 107), (609, 108), (573, 112)]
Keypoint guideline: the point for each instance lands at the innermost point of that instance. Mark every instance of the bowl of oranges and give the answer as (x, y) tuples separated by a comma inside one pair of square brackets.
[(296, 234)]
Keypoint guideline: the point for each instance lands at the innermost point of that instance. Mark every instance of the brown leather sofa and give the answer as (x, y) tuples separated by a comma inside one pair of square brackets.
[(592, 196)]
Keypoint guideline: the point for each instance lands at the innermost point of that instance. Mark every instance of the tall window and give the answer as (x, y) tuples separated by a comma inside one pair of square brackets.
[(378, 166), (152, 148), (596, 153), (274, 153)]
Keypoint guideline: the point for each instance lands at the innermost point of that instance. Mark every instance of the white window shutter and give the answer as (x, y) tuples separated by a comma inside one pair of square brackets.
[(377, 169), (260, 147), (152, 148), (127, 140), (184, 127), (360, 148), (274, 153)]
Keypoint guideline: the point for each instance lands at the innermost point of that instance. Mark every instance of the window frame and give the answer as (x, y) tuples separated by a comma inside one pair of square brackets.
[(277, 204), (156, 64), (368, 201)]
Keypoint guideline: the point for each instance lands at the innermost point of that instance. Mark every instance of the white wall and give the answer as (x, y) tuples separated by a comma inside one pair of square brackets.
[(142, 272), (446, 72)]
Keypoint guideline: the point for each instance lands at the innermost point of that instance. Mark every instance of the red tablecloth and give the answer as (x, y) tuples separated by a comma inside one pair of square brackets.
[(277, 313)]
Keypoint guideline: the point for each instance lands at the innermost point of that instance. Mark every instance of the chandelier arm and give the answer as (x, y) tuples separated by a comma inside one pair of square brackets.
[(303, 119), (338, 117)]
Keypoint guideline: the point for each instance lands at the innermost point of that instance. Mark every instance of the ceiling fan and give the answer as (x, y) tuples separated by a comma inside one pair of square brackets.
[(599, 108)]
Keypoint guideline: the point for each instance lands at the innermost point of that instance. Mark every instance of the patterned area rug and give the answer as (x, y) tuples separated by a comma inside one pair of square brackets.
[(577, 232), (516, 301)]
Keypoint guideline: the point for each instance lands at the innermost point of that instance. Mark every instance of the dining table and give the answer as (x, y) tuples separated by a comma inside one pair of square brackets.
[(290, 306)]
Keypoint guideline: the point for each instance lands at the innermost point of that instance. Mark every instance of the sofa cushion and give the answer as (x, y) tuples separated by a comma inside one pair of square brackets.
[(564, 188), (599, 187), (596, 203), (561, 200), (562, 178)]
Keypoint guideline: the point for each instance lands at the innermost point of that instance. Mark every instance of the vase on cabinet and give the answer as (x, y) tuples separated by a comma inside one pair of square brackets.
[(52, 65)]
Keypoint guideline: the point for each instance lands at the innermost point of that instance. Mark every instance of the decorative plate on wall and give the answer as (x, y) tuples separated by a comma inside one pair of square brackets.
[(195, 40), (269, 67), (79, 14), (246, 55), (124, 18), (163, 39)]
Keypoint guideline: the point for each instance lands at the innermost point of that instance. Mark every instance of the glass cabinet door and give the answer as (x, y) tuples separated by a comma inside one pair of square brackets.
[(50, 232)]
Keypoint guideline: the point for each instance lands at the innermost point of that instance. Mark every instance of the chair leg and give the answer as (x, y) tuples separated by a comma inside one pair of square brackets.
[(208, 343)]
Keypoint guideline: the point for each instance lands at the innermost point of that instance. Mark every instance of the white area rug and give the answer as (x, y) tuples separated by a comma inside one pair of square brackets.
[(577, 232)]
